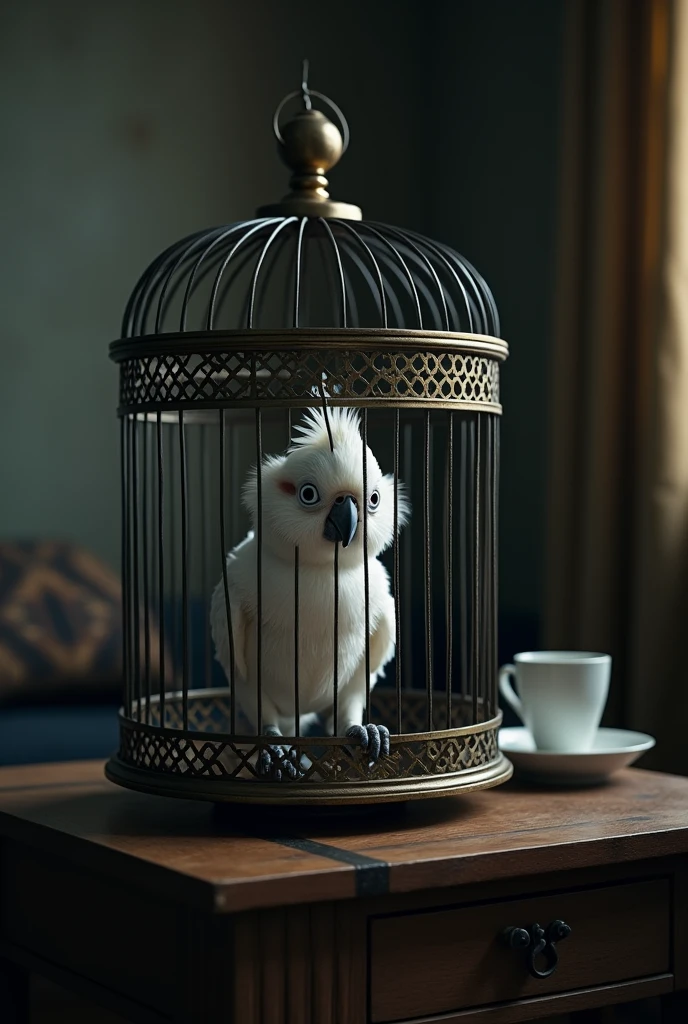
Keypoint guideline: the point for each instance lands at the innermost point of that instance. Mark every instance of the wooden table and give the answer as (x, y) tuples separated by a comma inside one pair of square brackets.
[(170, 911)]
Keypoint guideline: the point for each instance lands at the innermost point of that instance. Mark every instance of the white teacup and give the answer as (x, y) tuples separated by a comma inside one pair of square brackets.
[(561, 696)]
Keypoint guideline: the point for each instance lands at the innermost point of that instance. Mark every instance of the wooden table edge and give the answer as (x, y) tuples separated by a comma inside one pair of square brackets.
[(341, 881)]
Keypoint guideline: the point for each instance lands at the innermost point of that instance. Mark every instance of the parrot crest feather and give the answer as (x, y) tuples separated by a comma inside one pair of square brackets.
[(344, 424)]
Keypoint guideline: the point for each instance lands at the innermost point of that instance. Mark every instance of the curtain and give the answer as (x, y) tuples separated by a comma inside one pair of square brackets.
[(617, 540)]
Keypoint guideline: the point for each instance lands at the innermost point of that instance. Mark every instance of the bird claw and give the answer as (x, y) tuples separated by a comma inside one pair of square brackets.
[(277, 763), (373, 739)]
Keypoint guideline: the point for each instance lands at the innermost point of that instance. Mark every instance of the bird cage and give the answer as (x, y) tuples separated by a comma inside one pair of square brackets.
[(309, 413)]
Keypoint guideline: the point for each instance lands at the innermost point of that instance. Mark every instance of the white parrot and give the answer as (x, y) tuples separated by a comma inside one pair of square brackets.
[(312, 500)]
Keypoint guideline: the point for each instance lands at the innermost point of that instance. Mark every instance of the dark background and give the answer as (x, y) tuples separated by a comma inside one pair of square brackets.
[(124, 125)]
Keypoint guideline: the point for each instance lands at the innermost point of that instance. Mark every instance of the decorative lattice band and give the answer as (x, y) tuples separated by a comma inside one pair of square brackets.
[(197, 753), (295, 376)]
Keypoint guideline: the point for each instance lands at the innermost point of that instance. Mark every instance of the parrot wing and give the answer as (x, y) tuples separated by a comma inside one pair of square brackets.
[(382, 639)]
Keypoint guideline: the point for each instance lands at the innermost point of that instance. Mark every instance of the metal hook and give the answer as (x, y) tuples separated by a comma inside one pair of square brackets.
[(305, 91), (343, 123)]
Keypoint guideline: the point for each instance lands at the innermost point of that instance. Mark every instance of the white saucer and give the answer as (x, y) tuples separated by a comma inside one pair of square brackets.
[(613, 749)]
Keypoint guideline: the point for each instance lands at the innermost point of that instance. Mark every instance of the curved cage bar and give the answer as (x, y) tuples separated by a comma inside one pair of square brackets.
[(280, 272), (355, 659)]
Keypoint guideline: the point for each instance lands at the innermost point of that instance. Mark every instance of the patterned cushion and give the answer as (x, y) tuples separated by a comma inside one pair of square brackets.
[(60, 623)]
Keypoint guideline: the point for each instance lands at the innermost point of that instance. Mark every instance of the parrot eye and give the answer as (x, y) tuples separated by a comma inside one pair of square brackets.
[(308, 494), (374, 501)]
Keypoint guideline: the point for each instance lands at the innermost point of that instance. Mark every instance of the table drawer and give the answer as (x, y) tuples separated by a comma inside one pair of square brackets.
[(443, 960)]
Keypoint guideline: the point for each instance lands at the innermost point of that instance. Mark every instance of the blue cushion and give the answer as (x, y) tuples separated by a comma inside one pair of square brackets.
[(57, 733)]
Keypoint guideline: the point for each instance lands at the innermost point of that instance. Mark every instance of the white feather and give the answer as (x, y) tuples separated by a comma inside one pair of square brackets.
[(285, 524)]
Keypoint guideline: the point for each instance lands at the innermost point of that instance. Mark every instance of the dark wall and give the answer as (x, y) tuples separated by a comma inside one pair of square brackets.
[(493, 72), (125, 126), (129, 125)]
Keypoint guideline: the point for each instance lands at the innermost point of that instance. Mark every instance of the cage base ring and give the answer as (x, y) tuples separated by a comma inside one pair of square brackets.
[(240, 792)]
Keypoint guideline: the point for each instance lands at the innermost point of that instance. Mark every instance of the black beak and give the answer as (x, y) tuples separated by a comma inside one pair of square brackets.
[(342, 522)]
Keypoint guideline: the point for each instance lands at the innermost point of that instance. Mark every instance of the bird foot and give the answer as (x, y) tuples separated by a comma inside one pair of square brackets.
[(278, 763), (373, 740)]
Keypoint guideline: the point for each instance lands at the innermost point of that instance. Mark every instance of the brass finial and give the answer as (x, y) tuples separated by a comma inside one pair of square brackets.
[(310, 144)]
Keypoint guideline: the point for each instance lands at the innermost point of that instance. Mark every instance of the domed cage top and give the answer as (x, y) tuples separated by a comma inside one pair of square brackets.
[(355, 661), (308, 271)]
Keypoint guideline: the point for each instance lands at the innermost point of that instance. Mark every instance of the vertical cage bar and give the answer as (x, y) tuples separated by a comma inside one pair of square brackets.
[(464, 469), (477, 661), (237, 447), (335, 667), (482, 562), (205, 540), (152, 541), (135, 566), (487, 571), (468, 480), (495, 567), (493, 621), (449, 565), (183, 488), (297, 691), (225, 583), (366, 579), (427, 567), (407, 559), (146, 555), (259, 569), (124, 459), (297, 695), (485, 576), (161, 565), (395, 574), (174, 632)]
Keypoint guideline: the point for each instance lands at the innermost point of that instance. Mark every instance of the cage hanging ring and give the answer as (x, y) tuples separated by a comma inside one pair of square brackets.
[(343, 123)]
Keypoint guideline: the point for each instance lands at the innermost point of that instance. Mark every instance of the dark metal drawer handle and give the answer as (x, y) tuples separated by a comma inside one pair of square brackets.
[(537, 942)]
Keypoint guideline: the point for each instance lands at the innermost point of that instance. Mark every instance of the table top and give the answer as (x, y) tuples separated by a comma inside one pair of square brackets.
[(229, 859)]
